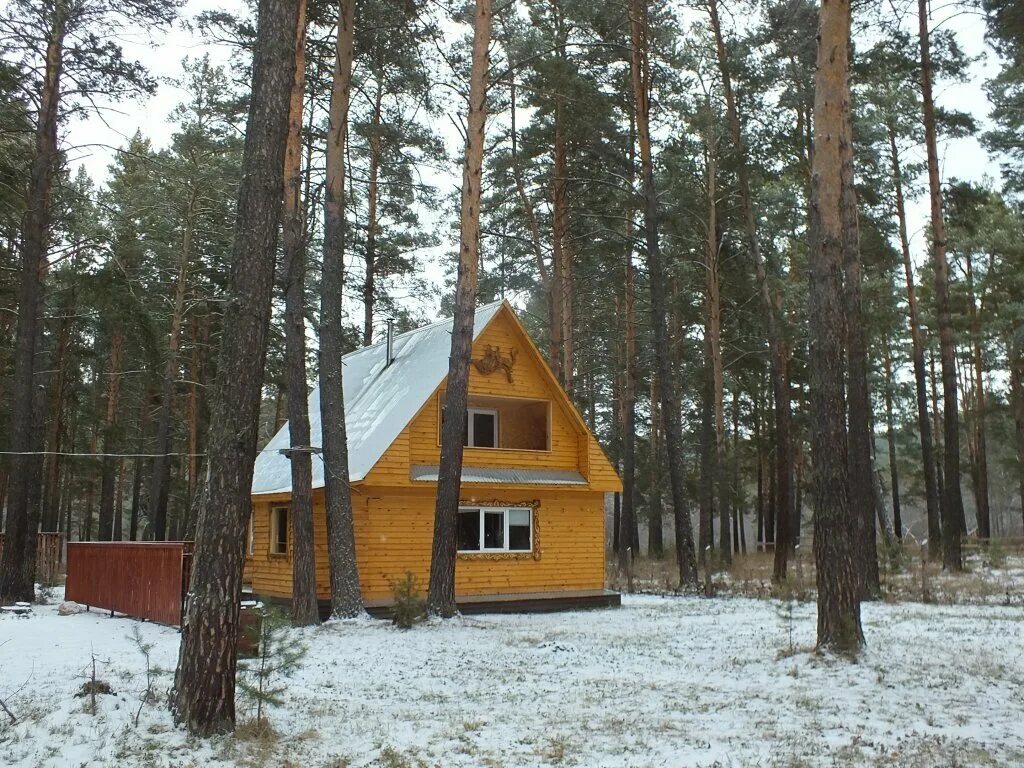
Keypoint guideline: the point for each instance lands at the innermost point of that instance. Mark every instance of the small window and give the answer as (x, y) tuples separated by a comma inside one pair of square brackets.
[(279, 531), (482, 428), (489, 529), (252, 534)]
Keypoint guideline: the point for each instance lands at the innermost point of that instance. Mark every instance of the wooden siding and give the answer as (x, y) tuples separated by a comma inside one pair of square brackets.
[(394, 529)]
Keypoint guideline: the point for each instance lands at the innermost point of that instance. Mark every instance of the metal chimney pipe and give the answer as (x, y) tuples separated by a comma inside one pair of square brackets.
[(389, 345)]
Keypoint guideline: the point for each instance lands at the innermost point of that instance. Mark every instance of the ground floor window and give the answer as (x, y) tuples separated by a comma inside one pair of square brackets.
[(279, 531), (495, 529)]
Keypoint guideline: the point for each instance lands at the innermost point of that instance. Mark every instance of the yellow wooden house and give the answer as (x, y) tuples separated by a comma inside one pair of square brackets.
[(531, 525)]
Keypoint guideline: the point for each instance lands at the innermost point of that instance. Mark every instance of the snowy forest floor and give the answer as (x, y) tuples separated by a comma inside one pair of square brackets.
[(661, 681)]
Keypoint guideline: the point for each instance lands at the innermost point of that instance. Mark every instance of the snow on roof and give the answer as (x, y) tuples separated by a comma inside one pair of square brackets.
[(379, 401), (503, 475)]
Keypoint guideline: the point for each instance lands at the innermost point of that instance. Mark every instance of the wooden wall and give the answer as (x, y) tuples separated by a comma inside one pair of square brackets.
[(394, 530)]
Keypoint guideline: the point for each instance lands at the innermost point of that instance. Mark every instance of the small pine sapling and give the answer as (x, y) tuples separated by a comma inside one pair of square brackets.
[(785, 610), (261, 679), (148, 696), (410, 608)]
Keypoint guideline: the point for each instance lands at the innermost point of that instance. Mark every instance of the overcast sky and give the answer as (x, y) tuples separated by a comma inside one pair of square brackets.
[(94, 141)]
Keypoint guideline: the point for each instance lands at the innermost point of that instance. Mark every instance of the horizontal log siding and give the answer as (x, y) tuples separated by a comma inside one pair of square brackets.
[(393, 535)]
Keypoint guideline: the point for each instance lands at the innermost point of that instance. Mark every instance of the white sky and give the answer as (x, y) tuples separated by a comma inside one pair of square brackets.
[(94, 141)]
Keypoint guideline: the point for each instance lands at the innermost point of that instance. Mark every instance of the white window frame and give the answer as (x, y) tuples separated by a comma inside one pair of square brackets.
[(274, 543), (471, 437), (252, 534), (481, 511)]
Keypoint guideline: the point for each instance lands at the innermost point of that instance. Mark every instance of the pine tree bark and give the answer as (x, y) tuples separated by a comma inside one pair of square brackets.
[(785, 535), (20, 537), (952, 500), (204, 692), (441, 591), (859, 417), (346, 595), (672, 427), (655, 530), (924, 422), (839, 625), (305, 611)]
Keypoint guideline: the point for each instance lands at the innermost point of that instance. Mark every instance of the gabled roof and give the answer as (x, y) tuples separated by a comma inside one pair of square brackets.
[(379, 401)]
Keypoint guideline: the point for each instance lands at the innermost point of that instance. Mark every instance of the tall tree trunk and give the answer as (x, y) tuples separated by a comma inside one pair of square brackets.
[(706, 471), (138, 467), (714, 331), (859, 417), (924, 423), (890, 435), (629, 380), (673, 431), (839, 625), (772, 305), (655, 530), (119, 502), (109, 463), (159, 483), (981, 493), (204, 695), (305, 610), (51, 496), (20, 538), (952, 501), (372, 196), (562, 257), (441, 592), (346, 595)]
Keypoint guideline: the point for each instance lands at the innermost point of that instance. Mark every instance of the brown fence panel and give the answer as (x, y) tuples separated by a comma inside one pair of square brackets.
[(141, 579), (48, 555)]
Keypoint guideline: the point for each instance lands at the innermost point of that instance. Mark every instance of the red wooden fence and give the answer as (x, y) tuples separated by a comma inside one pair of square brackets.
[(147, 580)]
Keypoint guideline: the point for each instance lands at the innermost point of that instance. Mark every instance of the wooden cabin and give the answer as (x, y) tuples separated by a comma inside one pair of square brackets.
[(531, 522)]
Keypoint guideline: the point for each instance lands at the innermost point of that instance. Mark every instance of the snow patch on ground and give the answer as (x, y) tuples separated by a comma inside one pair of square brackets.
[(662, 681)]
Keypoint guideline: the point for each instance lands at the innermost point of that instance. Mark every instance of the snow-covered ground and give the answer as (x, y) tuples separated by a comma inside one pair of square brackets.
[(662, 681)]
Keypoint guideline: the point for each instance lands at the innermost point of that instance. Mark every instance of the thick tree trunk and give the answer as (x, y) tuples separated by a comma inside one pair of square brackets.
[(924, 423), (772, 305), (859, 433), (204, 695), (890, 435), (952, 501), (159, 484), (109, 464), (20, 537), (982, 508), (839, 625), (673, 432), (346, 595), (304, 603), (441, 593)]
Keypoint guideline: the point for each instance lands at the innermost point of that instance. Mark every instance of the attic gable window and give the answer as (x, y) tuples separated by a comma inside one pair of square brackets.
[(495, 529)]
